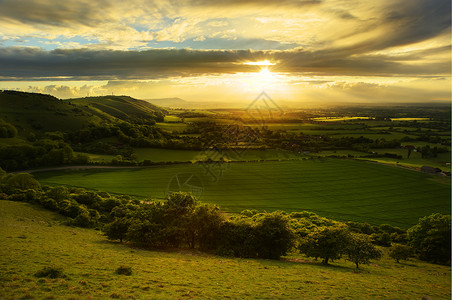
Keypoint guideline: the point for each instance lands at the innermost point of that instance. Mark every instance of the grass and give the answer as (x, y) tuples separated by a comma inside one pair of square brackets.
[(172, 127), (31, 239), (163, 155), (336, 188), (415, 160), (97, 157), (336, 119)]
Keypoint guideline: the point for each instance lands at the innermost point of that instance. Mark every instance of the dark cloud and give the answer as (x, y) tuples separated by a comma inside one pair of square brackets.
[(256, 3), (34, 63), (408, 22), (55, 13)]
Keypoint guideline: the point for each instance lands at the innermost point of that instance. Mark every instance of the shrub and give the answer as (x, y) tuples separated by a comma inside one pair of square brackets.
[(273, 236), (382, 239), (23, 181), (326, 243), (430, 238), (237, 238), (50, 272), (117, 230), (400, 252), (360, 249), (124, 270)]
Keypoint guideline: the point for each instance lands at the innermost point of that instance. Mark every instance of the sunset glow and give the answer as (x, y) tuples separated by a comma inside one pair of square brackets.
[(305, 51)]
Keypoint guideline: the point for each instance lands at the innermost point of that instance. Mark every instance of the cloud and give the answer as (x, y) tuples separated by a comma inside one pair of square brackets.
[(357, 27), (83, 64)]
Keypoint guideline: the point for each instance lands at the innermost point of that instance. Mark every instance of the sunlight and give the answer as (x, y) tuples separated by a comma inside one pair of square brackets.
[(260, 63)]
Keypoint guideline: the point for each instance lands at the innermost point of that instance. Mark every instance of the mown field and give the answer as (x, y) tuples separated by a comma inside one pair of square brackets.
[(337, 188), (159, 155), (32, 238)]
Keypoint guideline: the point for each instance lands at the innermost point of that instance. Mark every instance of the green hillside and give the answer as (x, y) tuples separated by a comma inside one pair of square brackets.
[(32, 238), (31, 112), (121, 107), (335, 188), (34, 112)]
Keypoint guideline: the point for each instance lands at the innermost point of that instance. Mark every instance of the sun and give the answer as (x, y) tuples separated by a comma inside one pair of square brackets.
[(260, 63)]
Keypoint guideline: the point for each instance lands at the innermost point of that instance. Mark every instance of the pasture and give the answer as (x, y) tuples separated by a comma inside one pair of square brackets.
[(173, 155), (337, 188), (32, 238)]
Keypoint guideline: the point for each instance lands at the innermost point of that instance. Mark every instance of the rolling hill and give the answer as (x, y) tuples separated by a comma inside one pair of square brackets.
[(33, 238), (30, 112)]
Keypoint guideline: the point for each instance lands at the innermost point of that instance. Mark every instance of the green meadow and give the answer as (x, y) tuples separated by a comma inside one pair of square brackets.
[(32, 238), (165, 155), (341, 189)]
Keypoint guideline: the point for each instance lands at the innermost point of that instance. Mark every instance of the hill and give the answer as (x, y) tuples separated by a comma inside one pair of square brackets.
[(122, 107), (32, 239), (31, 112), (170, 102)]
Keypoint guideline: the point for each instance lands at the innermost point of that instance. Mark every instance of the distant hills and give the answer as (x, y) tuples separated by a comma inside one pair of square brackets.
[(41, 112), (176, 102), (170, 102)]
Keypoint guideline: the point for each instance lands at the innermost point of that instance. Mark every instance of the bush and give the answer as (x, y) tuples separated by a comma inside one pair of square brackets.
[(273, 236), (237, 238), (400, 252), (360, 249), (382, 239), (430, 238), (123, 270), (23, 181), (50, 272), (117, 230), (328, 243)]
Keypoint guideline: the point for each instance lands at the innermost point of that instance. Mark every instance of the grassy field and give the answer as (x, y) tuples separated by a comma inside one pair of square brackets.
[(337, 188), (415, 159), (31, 239), (162, 155)]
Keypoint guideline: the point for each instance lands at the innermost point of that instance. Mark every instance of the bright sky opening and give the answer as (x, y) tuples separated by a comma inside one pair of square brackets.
[(303, 51)]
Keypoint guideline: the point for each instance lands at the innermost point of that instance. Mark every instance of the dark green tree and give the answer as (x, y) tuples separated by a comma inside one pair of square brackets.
[(117, 230), (400, 252), (430, 238), (360, 249), (23, 181), (328, 243), (273, 236)]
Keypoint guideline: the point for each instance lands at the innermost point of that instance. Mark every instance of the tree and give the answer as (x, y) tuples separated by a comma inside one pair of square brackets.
[(204, 226), (181, 200), (117, 230), (360, 249), (23, 181), (237, 238), (382, 239), (2, 174), (430, 238), (274, 237), (328, 243), (400, 252)]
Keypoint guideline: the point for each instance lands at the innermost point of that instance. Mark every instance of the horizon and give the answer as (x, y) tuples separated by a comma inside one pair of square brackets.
[(302, 52)]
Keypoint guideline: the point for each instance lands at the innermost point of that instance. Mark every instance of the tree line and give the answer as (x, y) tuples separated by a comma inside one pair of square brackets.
[(181, 221)]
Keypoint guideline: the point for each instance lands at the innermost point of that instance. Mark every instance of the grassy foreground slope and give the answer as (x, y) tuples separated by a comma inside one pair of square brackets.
[(31, 238), (336, 188)]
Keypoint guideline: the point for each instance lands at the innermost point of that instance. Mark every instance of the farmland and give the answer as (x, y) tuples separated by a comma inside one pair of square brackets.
[(337, 188)]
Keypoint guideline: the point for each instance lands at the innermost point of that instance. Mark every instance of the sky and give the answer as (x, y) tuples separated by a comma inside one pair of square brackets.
[(305, 51)]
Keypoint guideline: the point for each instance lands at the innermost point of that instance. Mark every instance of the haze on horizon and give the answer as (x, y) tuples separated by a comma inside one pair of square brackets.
[(199, 50)]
